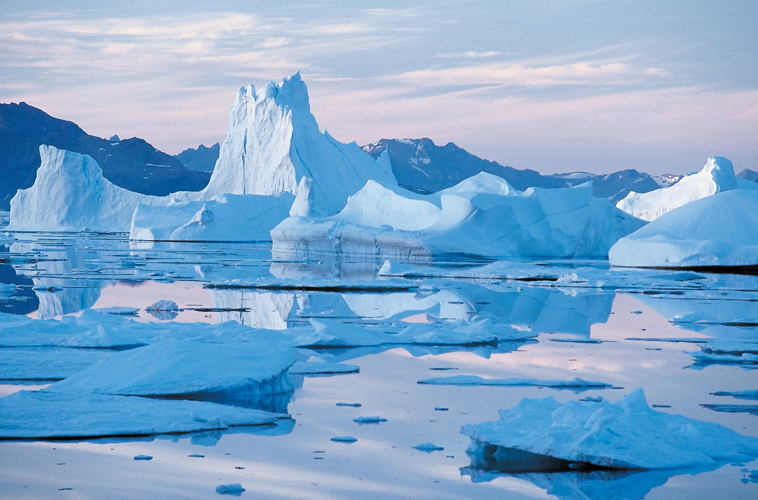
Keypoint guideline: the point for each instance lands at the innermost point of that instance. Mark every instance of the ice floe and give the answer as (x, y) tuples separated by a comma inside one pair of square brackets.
[(716, 176), (716, 231), (50, 415), (624, 435), (576, 385), (480, 216), (189, 368)]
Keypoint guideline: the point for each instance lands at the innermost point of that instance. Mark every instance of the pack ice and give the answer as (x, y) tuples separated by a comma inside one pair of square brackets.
[(716, 176), (273, 143), (720, 230), (624, 435), (483, 215)]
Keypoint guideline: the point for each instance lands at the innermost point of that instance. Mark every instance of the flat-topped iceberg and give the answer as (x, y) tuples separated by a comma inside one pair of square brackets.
[(720, 230), (273, 150), (624, 435), (716, 176), (49, 415), (482, 216)]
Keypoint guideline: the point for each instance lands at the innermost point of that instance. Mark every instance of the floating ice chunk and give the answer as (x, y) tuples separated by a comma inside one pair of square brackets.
[(746, 394), (187, 367), (48, 415), (428, 447), (720, 230), (234, 489), (344, 439), (716, 176), (164, 309), (143, 457), (118, 310), (354, 405), (322, 368), (369, 420), (624, 435), (576, 385)]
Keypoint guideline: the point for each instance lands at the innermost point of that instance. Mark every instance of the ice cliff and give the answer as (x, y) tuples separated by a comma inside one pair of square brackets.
[(71, 194), (716, 176), (482, 215), (273, 143)]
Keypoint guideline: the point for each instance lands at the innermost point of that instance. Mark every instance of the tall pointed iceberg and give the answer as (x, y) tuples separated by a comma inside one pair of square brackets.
[(273, 141)]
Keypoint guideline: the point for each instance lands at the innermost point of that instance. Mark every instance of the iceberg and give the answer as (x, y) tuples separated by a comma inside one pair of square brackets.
[(482, 216), (625, 435), (716, 176), (273, 142), (576, 385), (717, 231), (71, 194), (273, 151)]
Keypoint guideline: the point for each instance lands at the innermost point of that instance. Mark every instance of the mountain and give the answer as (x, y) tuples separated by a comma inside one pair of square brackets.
[(132, 163), (749, 175), (421, 166), (202, 159)]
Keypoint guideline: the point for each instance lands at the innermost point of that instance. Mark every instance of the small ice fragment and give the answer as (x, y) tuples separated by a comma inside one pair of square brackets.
[(118, 310), (344, 439), (143, 457), (590, 399), (354, 405), (164, 309), (428, 447), (230, 489), (636, 312), (440, 408), (196, 455), (369, 420)]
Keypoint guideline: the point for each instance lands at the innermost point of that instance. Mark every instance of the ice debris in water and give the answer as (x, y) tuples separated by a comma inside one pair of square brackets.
[(369, 420), (576, 385), (164, 310), (118, 310), (234, 489), (143, 457), (344, 439), (428, 447), (625, 435)]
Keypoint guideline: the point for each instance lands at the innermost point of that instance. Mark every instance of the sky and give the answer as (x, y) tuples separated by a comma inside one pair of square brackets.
[(554, 86)]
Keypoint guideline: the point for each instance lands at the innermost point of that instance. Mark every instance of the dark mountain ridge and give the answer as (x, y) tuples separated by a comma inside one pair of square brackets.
[(132, 163)]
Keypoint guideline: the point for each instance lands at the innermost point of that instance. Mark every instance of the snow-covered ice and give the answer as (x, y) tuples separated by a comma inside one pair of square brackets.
[(624, 435), (481, 216), (44, 414), (716, 231), (190, 368), (716, 176), (71, 194)]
